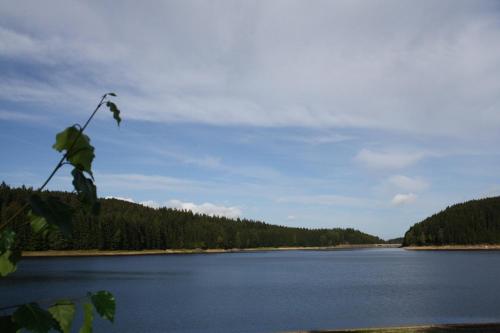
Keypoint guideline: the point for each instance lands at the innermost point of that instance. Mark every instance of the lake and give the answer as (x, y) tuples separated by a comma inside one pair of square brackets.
[(272, 291)]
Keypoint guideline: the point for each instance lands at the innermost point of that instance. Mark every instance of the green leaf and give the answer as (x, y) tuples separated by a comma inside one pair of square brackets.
[(8, 256), (80, 153), (7, 325), (86, 190), (88, 317), (63, 312), (7, 239), (55, 212), (111, 94), (38, 223), (33, 318), (40, 226), (116, 112), (104, 303), (6, 265)]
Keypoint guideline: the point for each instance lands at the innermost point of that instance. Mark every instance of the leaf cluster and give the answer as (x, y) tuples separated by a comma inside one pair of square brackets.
[(60, 315)]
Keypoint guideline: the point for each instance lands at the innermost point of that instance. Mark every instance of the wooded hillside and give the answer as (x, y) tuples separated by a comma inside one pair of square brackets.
[(123, 225), (472, 222)]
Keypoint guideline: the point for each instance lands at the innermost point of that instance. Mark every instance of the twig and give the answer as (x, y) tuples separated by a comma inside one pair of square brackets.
[(59, 165)]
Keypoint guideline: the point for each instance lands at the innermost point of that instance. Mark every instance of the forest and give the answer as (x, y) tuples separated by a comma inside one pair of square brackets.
[(397, 240), (472, 222), (122, 225)]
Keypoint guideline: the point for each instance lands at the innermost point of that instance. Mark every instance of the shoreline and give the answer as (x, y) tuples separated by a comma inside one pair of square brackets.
[(110, 253), (479, 247), (431, 328)]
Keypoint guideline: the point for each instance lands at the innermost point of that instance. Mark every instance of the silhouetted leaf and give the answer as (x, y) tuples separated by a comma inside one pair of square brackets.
[(7, 239), (86, 190), (54, 211), (63, 312), (34, 318), (116, 112), (104, 303), (7, 325), (6, 265), (8, 258), (38, 223), (80, 153), (88, 317), (111, 94)]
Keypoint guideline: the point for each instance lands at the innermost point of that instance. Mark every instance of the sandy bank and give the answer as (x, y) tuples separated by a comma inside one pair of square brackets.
[(90, 253), (481, 247)]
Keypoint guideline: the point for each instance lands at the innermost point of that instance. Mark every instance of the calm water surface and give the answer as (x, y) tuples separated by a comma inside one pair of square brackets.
[(273, 291)]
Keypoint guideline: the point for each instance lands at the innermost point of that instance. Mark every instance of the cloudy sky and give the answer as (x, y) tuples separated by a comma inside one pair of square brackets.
[(364, 114)]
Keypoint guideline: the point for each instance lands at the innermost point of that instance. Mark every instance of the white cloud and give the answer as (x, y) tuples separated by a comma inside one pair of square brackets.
[(18, 116), (216, 163), (120, 198), (320, 139), (327, 200), (403, 199), (291, 217), (388, 160), (207, 161), (150, 204), (408, 184), (12, 43), (134, 181), (206, 208), (349, 64)]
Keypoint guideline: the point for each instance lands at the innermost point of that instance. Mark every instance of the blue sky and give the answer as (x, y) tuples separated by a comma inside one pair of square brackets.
[(364, 114)]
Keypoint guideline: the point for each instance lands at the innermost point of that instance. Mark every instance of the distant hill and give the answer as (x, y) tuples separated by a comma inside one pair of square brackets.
[(123, 225), (471, 222), (398, 240)]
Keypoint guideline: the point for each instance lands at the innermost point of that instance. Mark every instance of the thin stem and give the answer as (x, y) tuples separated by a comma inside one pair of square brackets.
[(52, 174), (59, 165), (61, 162), (93, 113), (14, 216)]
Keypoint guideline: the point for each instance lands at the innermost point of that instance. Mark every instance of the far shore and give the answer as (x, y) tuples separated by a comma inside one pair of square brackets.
[(438, 328), (92, 253), (479, 247)]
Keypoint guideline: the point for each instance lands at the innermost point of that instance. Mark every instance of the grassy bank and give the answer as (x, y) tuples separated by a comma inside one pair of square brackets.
[(479, 247), (91, 253), (447, 328)]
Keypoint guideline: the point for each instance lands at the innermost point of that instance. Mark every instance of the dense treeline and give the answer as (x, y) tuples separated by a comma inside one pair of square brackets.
[(123, 225), (398, 240), (472, 222)]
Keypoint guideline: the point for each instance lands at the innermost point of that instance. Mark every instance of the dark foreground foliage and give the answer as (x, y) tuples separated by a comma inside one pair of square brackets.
[(46, 217), (123, 225), (472, 222)]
